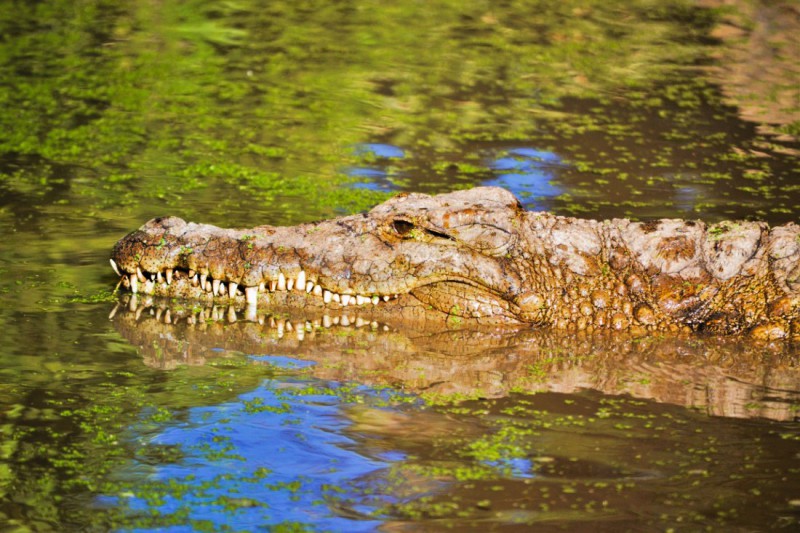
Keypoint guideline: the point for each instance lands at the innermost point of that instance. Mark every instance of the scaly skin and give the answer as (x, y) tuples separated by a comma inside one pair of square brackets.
[(476, 255)]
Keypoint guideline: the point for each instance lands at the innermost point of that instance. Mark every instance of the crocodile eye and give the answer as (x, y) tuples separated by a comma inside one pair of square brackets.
[(402, 227), (409, 230)]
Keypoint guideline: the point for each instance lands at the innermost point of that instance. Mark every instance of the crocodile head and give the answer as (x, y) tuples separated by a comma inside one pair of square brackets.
[(455, 255)]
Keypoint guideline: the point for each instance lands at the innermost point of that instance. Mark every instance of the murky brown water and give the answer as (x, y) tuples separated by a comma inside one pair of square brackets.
[(243, 113)]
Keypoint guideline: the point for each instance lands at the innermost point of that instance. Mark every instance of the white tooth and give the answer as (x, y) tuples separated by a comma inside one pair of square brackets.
[(345, 299), (232, 315), (194, 280), (215, 287), (281, 325), (317, 290), (289, 284), (149, 287), (159, 277), (360, 322), (167, 317), (375, 300), (301, 334), (261, 320), (221, 288), (191, 273), (360, 300), (326, 296), (152, 277), (309, 286), (251, 294), (336, 321), (208, 287), (203, 278), (134, 284), (201, 316), (301, 281), (140, 275), (114, 266), (326, 321), (385, 327), (289, 326), (251, 313), (345, 321), (281, 282), (273, 285), (336, 298), (262, 287), (386, 298), (373, 325), (169, 276), (232, 289)]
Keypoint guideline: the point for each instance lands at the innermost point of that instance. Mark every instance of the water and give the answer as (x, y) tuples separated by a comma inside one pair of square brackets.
[(241, 114)]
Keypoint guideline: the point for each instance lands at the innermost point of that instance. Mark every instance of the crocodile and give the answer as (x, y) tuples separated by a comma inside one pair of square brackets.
[(477, 256)]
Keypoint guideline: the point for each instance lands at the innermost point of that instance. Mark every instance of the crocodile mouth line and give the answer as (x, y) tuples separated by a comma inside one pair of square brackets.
[(191, 284)]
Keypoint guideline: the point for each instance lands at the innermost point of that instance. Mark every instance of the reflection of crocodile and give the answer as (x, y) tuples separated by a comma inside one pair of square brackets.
[(476, 255), (725, 376)]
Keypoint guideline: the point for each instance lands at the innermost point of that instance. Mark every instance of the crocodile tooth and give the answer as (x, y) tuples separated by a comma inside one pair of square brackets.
[(317, 290), (149, 287), (345, 321), (222, 290), (345, 298), (360, 299), (134, 284), (232, 289), (208, 286), (114, 266), (301, 334), (301, 281), (168, 317), (159, 312), (251, 294), (326, 321), (215, 287), (309, 286), (261, 320), (281, 282), (289, 326), (203, 278), (159, 277), (191, 273), (232, 318), (194, 280), (262, 287), (375, 300), (336, 321), (386, 298), (279, 326), (140, 275), (251, 313), (336, 297), (326, 296), (152, 277), (169, 276), (273, 285), (373, 325), (289, 284)]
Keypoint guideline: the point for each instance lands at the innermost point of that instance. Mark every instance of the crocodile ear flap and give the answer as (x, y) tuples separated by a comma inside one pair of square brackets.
[(486, 239)]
